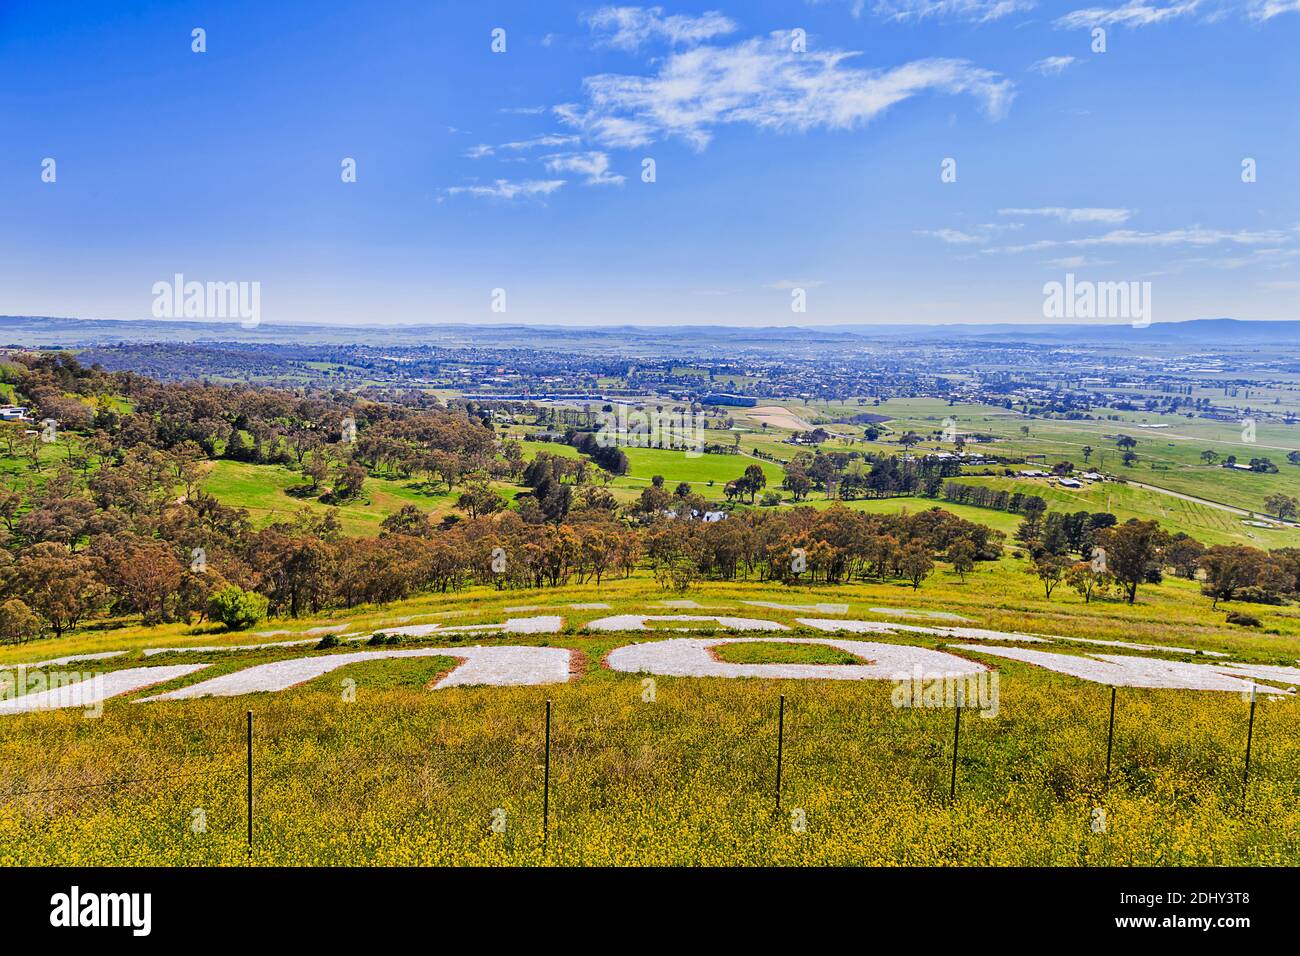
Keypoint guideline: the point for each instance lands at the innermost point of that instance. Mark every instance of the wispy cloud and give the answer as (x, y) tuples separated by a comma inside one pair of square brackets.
[(1073, 214), (1135, 13), (509, 189), (1077, 262), (1141, 13), (1191, 236), (1053, 65), (976, 11), (549, 141), (954, 237), (593, 165), (763, 83), (629, 28), (1268, 9), (970, 235), (787, 284)]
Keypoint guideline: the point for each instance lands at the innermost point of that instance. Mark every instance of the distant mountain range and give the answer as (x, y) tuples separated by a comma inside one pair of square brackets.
[(28, 331)]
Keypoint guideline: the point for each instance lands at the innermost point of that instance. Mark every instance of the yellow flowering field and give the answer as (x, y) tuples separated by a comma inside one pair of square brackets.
[(674, 771)]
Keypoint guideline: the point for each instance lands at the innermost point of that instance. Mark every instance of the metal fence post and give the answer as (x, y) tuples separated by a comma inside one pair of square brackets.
[(956, 737), (249, 806), (546, 782), (780, 749), (1110, 740), (1250, 733)]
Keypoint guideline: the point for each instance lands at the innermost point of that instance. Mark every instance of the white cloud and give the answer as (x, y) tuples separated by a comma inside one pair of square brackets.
[(1190, 236), (628, 28), (978, 11), (1141, 13), (1135, 13), (1077, 262), (1053, 65), (1068, 214), (955, 237), (970, 235), (524, 110), (594, 165), (788, 284), (509, 189), (762, 83), (1268, 9), (550, 141)]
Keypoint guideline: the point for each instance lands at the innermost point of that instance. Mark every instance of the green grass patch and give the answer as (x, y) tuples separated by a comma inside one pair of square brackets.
[(775, 652)]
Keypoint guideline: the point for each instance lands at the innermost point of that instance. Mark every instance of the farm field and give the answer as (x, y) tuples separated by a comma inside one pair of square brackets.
[(707, 474), (367, 765), (263, 491), (699, 470), (1175, 452), (1208, 524), (1202, 521)]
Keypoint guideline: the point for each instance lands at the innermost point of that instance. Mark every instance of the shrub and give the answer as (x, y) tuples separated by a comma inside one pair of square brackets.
[(1245, 620), (381, 638), (1258, 595), (18, 622), (326, 642), (236, 608)]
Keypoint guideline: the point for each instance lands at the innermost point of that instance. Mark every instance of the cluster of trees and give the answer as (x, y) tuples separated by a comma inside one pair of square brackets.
[(608, 456), (562, 488), (982, 496), (832, 545), (849, 475), (1284, 506), (1094, 555), (1241, 573), (183, 561), (750, 483), (1060, 532), (114, 519)]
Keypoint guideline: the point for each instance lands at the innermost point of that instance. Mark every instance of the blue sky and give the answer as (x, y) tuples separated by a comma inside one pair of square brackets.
[(774, 168)]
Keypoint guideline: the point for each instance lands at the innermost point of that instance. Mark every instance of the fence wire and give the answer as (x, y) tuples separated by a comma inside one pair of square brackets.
[(340, 795)]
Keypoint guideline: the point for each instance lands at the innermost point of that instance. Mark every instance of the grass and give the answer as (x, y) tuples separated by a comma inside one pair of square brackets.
[(1207, 524), (699, 470), (264, 491), (395, 773), (772, 652), (1174, 450)]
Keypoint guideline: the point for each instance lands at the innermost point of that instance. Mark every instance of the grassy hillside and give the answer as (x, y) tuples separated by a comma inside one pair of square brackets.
[(395, 773), (263, 491)]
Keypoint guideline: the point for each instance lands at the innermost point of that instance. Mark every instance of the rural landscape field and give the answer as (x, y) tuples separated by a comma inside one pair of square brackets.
[(276, 605)]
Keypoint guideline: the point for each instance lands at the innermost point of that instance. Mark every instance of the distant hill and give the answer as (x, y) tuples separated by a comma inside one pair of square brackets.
[(28, 331)]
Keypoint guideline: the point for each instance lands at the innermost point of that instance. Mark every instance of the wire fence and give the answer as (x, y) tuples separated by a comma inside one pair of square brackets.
[(257, 793)]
